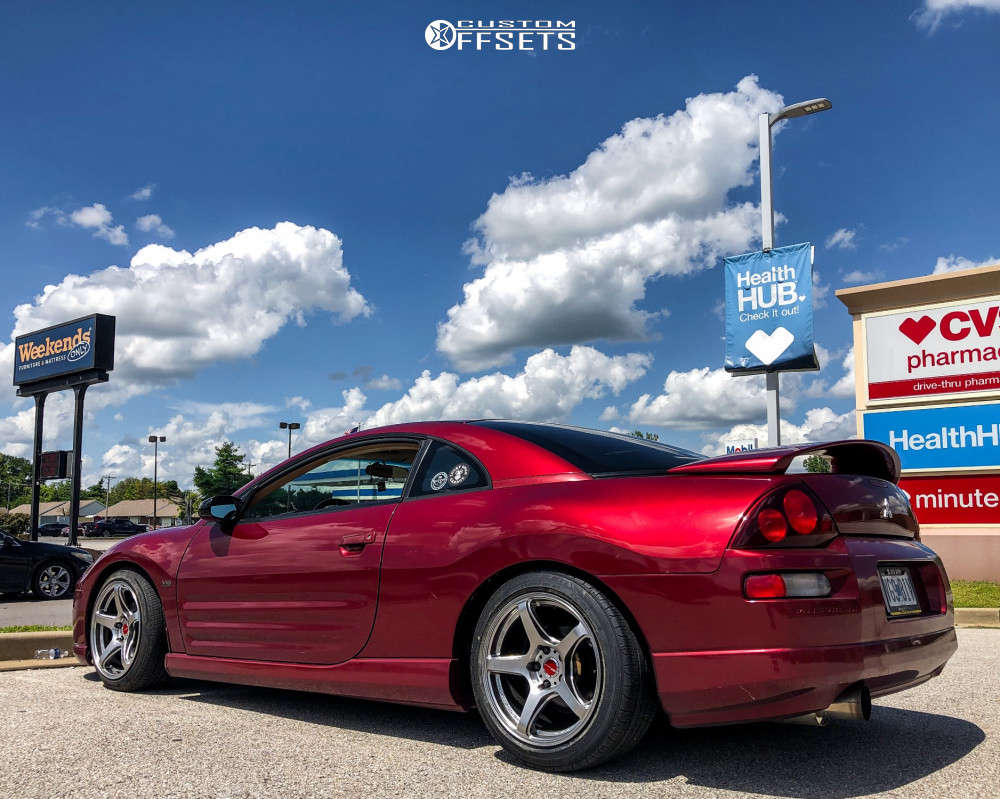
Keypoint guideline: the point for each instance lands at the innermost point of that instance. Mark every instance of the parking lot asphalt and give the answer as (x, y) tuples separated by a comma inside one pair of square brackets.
[(62, 733), (28, 610)]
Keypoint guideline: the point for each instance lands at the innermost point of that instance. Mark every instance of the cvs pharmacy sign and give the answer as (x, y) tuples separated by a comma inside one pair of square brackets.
[(949, 349)]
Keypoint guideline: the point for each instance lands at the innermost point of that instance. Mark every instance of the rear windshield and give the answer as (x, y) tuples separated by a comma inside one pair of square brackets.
[(596, 452)]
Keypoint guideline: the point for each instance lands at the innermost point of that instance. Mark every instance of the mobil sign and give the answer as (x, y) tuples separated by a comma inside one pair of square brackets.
[(940, 350), (946, 437)]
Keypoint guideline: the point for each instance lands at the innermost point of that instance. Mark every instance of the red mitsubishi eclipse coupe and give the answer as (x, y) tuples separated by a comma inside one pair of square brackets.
[(564, 582)]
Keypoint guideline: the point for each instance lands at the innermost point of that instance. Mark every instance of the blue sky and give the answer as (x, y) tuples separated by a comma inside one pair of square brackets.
[(340, 117)]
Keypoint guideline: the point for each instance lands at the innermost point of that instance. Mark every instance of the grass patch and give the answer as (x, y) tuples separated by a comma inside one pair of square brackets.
[(976, 594), (34, 628)]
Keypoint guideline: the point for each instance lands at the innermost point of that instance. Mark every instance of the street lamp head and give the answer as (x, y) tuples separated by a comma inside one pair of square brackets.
[(154, 439), (802, 109), (289, 425)]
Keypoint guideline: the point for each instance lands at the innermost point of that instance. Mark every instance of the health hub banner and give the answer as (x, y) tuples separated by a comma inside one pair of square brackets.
[(769, 313)]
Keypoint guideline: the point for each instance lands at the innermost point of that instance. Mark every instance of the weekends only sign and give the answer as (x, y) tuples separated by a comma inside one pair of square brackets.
[(65, 349), (769, 316), (947, 349)]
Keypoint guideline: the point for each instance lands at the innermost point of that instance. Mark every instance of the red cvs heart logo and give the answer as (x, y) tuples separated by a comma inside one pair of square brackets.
[(917, 329)]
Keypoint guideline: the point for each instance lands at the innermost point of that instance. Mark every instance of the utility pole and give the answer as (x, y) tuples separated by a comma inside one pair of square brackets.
[(107, 503), (155, 441), (767, 121)]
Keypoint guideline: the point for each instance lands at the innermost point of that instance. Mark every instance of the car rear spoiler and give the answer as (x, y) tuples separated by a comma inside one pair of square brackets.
[(871, 458)]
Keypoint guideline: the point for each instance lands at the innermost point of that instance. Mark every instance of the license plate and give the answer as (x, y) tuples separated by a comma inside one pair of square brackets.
[(897, 589)]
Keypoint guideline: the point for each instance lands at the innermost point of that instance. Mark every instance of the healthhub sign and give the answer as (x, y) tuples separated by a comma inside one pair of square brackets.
[(769, 315), (944, 437)]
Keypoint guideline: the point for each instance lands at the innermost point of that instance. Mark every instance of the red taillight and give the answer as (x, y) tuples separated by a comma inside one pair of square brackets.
[(789, 516), (764, 586), (801, 512), (772, 524)]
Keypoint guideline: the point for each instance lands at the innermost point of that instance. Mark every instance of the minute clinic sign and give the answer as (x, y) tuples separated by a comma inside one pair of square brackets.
[(948, 349)]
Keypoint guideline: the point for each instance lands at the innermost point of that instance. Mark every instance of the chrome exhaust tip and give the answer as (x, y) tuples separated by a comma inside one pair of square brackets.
[(854, 705)]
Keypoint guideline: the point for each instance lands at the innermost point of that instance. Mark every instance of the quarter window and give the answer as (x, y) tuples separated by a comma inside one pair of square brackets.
[(446, 469), (375, 473)]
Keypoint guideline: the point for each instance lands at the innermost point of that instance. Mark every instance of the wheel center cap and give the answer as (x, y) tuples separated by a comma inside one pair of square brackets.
[(125, 629), (550, 667)]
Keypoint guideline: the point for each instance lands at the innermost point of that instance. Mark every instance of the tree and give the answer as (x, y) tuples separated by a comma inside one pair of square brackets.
[(15, 524), (817, 464), (646, 436), (226, 475), (15, 477)]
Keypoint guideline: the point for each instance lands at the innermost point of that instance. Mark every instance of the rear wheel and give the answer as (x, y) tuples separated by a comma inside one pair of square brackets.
[(558, 674), (128, 638), (53, 580)]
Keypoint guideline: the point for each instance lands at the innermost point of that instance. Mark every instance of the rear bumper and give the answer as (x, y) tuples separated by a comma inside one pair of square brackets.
[(720, 658), (698, 688)]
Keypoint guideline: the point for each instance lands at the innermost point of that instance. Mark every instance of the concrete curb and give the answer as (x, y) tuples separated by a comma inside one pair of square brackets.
[(22, 646), (977, 617)]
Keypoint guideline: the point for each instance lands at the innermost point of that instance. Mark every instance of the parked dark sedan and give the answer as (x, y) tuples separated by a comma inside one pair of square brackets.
[(51, 528), (50, 571), (110, 527)]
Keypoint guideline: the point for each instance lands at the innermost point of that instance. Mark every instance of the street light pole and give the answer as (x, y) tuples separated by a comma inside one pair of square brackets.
[(155, 441), (289, 426), (767, 121)]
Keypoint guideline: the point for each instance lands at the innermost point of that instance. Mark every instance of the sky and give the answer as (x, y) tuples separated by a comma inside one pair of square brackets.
[(305, 213)]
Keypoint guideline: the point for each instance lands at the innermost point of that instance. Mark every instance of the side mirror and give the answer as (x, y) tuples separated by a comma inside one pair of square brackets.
[(222, 509)]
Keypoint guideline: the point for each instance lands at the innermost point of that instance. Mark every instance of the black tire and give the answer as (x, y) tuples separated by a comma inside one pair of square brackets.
[(46, 585), (622, 704), (145, 669)]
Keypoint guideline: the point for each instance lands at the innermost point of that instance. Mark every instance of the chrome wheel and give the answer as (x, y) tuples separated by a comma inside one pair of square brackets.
[(54, 581), (115, 627), (542, 669)]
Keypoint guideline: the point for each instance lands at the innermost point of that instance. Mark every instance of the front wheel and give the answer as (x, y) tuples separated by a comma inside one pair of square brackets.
[(559, 676), (128, 637), (53, 580)]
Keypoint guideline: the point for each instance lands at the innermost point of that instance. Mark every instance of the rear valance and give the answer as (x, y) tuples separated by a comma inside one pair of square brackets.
[(870, 458)]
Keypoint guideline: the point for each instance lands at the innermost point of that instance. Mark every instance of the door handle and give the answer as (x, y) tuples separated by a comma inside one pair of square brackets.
[(353, 543)]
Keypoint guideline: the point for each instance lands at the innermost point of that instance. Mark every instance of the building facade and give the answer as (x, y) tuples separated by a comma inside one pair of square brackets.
[(927, 382)]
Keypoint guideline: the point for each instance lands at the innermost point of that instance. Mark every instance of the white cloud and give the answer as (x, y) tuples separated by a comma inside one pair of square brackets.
[(39, 215), (192, 437), (610, 413), (152, 223), (567, 258), (144, 193), (98, 218), (860, 276), (384, 383), (842, 239), (702, 399), (954, 263), (895, 244), (844, 387), (548, 388), (178, 312), (933, 12), (820, 424)]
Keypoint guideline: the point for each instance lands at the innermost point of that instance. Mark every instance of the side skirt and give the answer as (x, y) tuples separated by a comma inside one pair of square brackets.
[(428, 682)]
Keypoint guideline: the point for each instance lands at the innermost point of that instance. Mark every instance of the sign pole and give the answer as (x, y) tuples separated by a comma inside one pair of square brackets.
[(36, 465), (74, 508), (767, 238)]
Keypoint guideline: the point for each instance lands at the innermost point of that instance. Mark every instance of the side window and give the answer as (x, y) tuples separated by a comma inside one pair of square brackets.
[(372, 473), (445, 469)]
